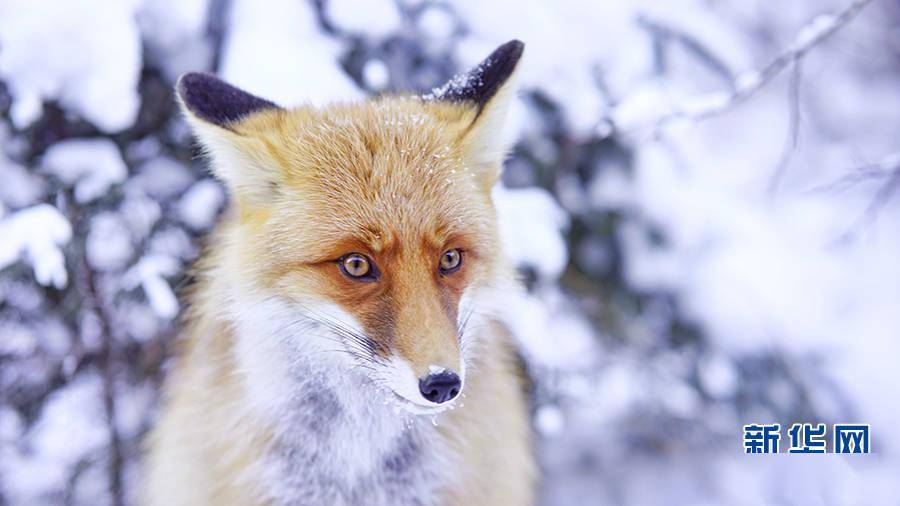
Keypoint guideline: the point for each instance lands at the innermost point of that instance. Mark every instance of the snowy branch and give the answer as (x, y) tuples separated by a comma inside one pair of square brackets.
[(748, 83)]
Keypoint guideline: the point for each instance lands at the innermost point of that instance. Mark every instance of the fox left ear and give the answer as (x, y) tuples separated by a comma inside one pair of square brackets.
[(486, 89), (216, 111), (214, 101)]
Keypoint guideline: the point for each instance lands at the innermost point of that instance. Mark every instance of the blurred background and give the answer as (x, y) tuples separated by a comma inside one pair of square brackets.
[(701, 200)]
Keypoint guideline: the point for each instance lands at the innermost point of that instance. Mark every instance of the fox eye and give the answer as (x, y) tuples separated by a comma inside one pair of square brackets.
[(450, 261), (357, 266)]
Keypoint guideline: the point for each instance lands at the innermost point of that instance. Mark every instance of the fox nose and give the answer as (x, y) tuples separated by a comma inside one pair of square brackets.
[(440, 387)]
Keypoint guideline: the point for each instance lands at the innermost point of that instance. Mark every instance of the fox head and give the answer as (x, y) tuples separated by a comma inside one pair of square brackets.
[(366, 231)]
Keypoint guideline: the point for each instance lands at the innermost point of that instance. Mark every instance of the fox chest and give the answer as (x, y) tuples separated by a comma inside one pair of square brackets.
[(332, 452)]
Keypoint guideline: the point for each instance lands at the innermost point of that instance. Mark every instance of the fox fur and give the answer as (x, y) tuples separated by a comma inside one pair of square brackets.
[(295, 384)]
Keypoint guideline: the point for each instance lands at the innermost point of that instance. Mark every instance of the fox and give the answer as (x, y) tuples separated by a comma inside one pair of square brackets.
[(342, 342)]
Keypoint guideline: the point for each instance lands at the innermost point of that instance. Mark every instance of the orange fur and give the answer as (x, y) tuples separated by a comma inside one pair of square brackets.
[(400, 180), (335, 189)]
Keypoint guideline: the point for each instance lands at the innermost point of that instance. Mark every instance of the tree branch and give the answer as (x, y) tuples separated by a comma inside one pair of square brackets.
[(106, 365), (748, 83), (886, 171), (880, 170), (793, 128)]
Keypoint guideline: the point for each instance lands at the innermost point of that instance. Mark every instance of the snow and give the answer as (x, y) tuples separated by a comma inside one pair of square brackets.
[(813, 31), (70, 429), (90, 58), (141, 214), (642, 107), (376, 74), (274, 52), (20, 188), (176, 29), (91, 166), (161, 178), (200, 205), (718, 376), (460, 84), (530, 228), (18, 340), (108, 244), (549, 420), (150, 273), (37, 234), (551, 62), (170, 22), (436, 22), (551, 334), (374, 18)]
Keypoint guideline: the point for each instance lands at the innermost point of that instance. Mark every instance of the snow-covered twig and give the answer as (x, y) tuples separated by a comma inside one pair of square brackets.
[(748, 83)]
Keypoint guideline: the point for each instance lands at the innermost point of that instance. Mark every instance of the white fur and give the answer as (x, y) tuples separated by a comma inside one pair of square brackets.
[(335, 419), (286, 360)]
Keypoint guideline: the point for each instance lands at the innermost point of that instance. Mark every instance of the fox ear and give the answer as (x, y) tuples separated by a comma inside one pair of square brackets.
[(214, 101), (481, 83), (487, 88), (215, 110)]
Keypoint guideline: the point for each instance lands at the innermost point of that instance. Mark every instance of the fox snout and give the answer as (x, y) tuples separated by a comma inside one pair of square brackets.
[(436, 367)]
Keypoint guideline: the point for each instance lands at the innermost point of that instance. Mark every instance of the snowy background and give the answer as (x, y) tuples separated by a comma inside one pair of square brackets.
[(701, 199)]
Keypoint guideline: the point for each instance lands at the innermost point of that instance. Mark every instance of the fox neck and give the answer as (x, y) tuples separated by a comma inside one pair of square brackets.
[(332, 431), (337, 444)]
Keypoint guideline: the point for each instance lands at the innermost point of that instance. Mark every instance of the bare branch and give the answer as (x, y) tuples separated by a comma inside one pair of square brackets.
[(793, 128), (887, 170), (663, 33), (877, 171), (882, 196)]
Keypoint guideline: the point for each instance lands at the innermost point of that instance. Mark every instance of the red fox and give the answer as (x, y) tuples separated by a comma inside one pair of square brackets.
[(340, 347)]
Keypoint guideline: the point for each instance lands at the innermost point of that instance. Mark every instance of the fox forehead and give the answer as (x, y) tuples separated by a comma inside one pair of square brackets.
[(382, 174)]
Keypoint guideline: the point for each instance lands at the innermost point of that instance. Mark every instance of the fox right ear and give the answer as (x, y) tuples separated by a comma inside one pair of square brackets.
[(216, 111), (486, 90), (479, 85)]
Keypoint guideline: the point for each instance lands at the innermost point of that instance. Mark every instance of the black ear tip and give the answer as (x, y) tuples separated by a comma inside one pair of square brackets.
[(510, 51), (191, 79), (481, 83), (496, 69), (188, 82), (502, 62), (216, 101)]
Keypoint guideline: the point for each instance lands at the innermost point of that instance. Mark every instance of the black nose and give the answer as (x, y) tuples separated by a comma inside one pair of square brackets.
[(440, 387)]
